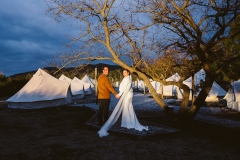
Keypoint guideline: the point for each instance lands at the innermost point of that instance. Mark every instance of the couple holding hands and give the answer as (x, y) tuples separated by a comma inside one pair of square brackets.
[(124, 105)]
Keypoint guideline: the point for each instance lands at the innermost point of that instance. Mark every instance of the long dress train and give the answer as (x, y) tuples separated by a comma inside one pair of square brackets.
[(129, 119)]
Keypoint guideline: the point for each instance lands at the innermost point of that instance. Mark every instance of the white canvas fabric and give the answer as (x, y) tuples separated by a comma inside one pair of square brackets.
[(167, 90), (89, 80), (135, 84), (86, 86), (77, 88), (65, 78), (233, 96), (140, 84), (42, 90), (171, 90), (215, 91), (156, 86), (153, 83)]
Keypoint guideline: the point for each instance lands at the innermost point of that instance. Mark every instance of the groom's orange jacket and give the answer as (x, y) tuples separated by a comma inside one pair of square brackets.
[(104, 87)]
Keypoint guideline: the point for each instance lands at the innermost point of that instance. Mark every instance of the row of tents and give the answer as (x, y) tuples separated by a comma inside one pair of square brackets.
[(44, 90), (232, 96), (173, 90)]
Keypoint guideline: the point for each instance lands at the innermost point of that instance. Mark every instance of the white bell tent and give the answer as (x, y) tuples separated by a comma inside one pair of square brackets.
[(65, 78), (86, 86), (153, 83), (89, 80), (42, 90), (233, 96), (171, 90), (167, 90), (141, 85), (134, 84), (156, 86), (77, 88), (215, 92)]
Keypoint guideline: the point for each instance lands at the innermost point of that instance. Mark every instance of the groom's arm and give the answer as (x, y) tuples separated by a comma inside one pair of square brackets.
[(109, 86)]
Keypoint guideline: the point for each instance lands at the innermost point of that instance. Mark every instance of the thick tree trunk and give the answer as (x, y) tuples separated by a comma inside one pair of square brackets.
[(201, 97), (184, 104)]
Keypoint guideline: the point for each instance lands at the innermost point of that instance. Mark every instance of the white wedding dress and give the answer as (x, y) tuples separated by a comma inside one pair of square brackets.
[(124, 106)]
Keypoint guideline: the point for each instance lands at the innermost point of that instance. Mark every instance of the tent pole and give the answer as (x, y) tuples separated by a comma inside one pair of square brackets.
[(192, 87)]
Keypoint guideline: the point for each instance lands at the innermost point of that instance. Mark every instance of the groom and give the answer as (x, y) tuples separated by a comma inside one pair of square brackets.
[(104, 89)]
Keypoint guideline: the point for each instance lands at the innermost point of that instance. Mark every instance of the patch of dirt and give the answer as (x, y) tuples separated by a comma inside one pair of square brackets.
[(62, 133)]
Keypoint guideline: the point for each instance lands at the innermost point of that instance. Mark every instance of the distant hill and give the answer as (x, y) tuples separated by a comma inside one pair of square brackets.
[(90, 67)]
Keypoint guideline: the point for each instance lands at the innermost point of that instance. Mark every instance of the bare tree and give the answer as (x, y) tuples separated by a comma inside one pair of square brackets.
[(199, 28), (133, 33)]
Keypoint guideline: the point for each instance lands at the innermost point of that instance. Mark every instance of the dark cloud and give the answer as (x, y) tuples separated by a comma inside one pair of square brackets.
[(29, 37)]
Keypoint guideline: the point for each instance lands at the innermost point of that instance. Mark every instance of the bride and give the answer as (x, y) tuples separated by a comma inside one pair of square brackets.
[(124, 106)]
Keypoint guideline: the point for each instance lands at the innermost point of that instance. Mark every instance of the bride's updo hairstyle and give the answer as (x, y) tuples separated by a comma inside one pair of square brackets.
[(127, 71)]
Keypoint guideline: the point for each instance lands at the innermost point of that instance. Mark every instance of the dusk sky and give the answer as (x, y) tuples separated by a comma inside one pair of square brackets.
[(29, 37)]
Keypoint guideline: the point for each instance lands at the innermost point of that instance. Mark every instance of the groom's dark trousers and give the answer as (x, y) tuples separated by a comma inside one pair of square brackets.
[(103, 110)]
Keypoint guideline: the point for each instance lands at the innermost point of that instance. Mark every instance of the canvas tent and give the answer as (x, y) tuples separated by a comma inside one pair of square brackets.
[(153, 83), (134, 84), (233, 96), (156, 86), (171, 90), (65, 78), (167, 90), (77, 88), (86, 86), (42, 90), (215, 92), (89, 80), (140, 85)]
